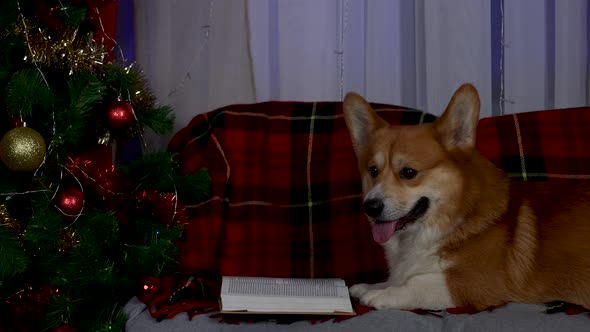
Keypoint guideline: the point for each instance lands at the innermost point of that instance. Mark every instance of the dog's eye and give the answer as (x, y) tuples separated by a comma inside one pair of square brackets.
[(373, 171), (408, 173)]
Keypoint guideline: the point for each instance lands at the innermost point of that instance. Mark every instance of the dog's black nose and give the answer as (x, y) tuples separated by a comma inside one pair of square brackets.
[(373, 207)]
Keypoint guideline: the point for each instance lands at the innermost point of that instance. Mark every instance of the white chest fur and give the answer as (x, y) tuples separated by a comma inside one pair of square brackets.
[(417, 279), (412, 253)]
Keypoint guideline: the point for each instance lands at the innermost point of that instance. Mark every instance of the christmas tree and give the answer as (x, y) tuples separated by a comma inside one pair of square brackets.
[(77, 232)]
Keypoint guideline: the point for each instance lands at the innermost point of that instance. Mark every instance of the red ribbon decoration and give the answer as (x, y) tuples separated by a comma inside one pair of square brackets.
[(161, 295)]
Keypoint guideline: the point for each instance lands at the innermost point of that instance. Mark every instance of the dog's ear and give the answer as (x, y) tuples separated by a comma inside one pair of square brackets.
[(456, 126), (361, 120)]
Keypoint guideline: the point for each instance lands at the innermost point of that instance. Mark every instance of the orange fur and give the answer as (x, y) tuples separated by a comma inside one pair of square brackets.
[(534, 253)]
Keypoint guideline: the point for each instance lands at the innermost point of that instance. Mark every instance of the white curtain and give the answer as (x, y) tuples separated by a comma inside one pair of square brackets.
[(195, 55), (522, 55)]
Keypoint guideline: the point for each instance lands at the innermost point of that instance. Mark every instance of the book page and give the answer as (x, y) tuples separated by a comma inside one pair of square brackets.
[(284, 287)]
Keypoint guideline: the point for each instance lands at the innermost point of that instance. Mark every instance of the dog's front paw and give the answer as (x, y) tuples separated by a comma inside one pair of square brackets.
[(378, 299), (358, 290), (389, 298)]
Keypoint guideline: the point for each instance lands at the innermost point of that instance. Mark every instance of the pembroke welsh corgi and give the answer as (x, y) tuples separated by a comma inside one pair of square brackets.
[(455, 229)]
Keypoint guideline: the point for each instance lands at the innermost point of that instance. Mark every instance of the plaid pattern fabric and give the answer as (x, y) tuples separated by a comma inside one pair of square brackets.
[(286, 193), (538, 145)]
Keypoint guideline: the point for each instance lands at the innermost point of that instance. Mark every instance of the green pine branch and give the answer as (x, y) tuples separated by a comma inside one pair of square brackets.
[(86, 92), (159, 119), (124, 81), (152, 171), (72, 15), (62, 308), (86, 314), (13, 259), (98, 229), (44, 228), (110, 319), (4, 76), (152, 250), (159, 171), (26, 90), (194, 188)]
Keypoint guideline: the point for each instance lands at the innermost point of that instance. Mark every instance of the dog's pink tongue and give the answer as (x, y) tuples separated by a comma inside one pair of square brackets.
[(383, 232)]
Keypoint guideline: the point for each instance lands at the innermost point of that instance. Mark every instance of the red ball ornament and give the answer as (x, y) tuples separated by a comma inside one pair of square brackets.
[(69, 201), (120, 115)]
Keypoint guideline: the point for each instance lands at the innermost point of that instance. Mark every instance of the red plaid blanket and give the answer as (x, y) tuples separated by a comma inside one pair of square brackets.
[(286, 194), (539, 145)]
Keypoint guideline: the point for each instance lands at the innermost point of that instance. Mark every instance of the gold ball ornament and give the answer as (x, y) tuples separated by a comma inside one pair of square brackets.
[(22, 149)]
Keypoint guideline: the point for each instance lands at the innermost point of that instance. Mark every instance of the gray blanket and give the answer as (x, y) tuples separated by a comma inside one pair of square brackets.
[(512, 317)]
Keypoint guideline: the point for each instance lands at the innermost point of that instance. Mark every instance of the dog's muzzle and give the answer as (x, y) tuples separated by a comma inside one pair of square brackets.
[(373, 207)]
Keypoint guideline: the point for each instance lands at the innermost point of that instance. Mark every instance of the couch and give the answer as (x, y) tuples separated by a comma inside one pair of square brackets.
[(286, 202)]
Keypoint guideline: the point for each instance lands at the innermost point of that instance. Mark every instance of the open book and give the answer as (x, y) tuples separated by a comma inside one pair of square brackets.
[(284, 296)]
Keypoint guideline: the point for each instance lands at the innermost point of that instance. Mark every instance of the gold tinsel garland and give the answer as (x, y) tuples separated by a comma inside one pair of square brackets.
[(6, 220), (70, 50), (73, 51)]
